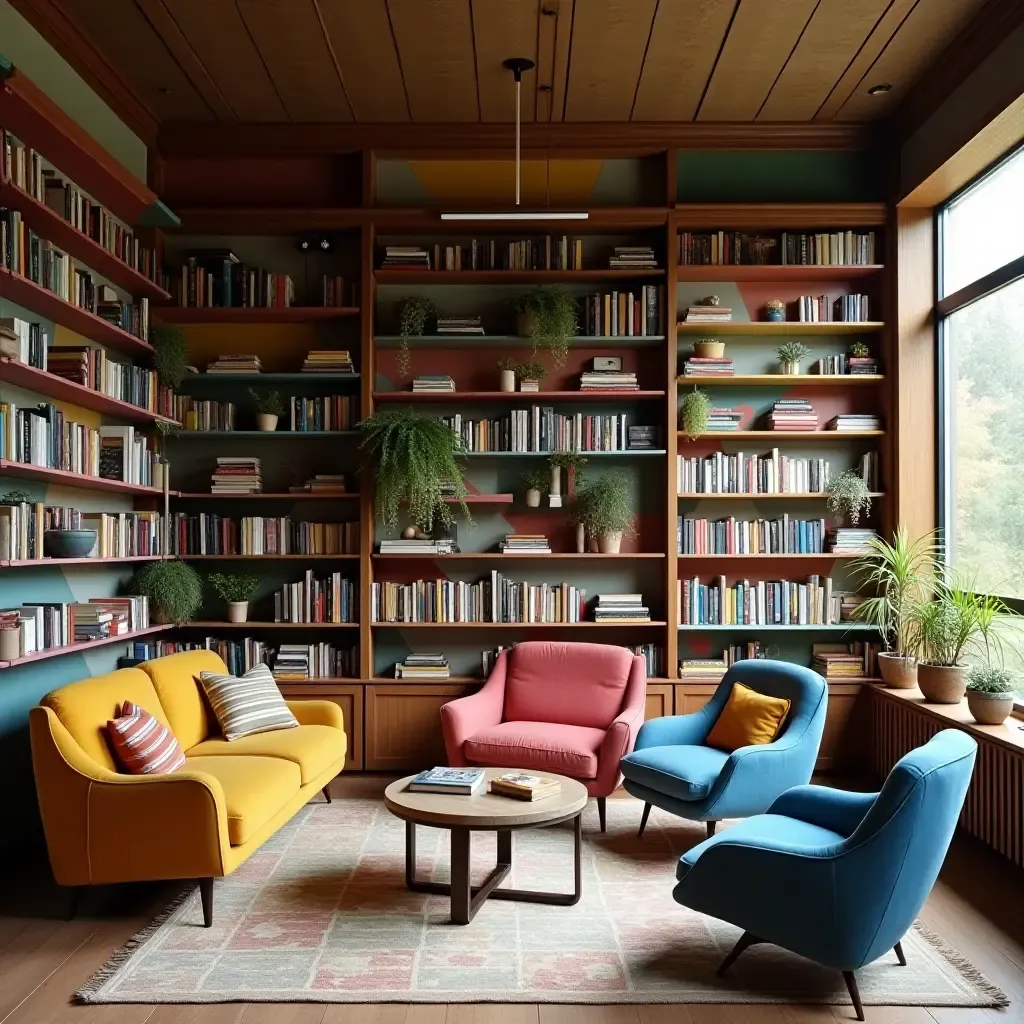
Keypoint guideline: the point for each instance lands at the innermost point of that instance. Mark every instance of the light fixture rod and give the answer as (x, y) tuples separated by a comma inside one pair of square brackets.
[(519, 89)]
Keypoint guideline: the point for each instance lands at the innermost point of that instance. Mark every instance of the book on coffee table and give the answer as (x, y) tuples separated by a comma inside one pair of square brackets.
[(524, 787), (462, 781)]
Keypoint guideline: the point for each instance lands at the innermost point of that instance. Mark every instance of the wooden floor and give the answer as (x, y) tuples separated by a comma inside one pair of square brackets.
[(977, 906)]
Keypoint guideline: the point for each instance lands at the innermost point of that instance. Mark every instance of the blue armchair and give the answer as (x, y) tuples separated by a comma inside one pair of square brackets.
[(862, 863), (671, 767)]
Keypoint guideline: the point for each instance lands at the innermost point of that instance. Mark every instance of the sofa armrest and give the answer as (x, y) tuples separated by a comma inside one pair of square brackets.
[(461, 718), (835, 809), (622, 733), (676, 730), (318, 712)]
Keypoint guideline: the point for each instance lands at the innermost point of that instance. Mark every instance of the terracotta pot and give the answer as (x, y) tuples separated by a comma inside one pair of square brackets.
[(506, 380), (897, 673), (609, 543), (238, 611), (533, 498), (942, 684), (990, 708), (526, 324), (709, 349), (10, 644), (266, 422)]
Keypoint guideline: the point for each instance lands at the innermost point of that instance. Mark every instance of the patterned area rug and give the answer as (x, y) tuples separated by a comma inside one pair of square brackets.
[(321, 914)]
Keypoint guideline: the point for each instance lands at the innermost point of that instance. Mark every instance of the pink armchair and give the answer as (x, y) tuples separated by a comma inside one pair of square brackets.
[(569, 708)]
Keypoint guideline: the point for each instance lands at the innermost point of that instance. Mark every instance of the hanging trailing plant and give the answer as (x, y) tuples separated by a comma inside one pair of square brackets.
[(847, 496), (694, 413), (414, 312), (415, 459), (547, 314), (170, 354)]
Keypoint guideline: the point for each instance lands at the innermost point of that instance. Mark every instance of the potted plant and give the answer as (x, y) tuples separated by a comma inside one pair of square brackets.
[(413, 313), (269, 408), (603, 508), (694, 413), (529, 375), (15, 498), (990, 694), (507, 374), (547, 314), (170, 354), (174, 589), (899, 574), (535, 481), (790, 353), (415, 459), (709, 348), (238, 589), (847, 496), (573, 463), (859, 350), (775, 310)]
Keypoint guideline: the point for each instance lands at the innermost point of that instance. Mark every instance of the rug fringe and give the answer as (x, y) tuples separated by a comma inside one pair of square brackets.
[(90, 991), (956, 959)]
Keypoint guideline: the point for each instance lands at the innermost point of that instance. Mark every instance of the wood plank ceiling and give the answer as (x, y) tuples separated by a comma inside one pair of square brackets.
[(429, 61)]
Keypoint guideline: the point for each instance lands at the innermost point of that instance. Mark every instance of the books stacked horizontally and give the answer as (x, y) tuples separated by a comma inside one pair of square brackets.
[(843, 365), (621, 608), (608, 380), (333, 483), (237, 475), (848, 605), (708, 366), (460, 325), (792, 414), (848, 540), (844, 661), (328, 361), (462, 781), (633, 257), (723, 419), (854, 421), (235, 364), (714, 668), (406, 256), (433, 382), (524, 787), (423, 666), (524, 544), (641, 438), (94, 623), (707, 314), (418, 546), (314, 661)]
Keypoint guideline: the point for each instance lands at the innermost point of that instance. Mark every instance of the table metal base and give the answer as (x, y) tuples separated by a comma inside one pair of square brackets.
[(466, 898)]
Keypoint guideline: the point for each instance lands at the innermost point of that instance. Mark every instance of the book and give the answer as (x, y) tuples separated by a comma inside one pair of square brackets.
[(461, 781), (524, 787)]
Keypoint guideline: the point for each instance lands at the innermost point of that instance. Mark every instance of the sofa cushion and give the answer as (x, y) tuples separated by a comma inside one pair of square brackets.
[(748, 719), (255, 789), (563, 749), (143, 745), (575, 683), (248, 704), (683, 772), (85, 707), (314, 748), (176, 679)]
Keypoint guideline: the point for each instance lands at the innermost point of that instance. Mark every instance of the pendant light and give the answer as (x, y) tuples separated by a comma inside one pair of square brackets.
[(518, 65)]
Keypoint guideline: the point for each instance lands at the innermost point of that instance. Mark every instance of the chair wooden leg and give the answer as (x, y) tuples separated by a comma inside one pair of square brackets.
[(900, 955), (74, 900), (601, 812), (746, 940), (643, 820), (712, 825), (206, 895), (327, 793), (851, 984)]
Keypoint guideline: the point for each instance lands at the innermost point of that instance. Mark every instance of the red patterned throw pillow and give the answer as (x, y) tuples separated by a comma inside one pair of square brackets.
[(143, 745)]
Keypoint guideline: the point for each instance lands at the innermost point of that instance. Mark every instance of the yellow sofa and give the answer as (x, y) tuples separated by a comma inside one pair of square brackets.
[(199, 822)]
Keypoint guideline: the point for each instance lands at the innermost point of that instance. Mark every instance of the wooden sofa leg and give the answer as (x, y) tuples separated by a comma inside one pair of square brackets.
[(601, 812), (327, 792), (643, 820), (206, 895), (712, 825), (851, 984)]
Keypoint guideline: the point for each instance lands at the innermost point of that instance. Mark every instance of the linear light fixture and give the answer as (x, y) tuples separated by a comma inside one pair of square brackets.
[(517, 65)]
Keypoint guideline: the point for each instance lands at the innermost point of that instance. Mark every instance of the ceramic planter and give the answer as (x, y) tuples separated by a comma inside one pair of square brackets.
[(942, 684), (709, 349), (533, 498), (10, 644), (990, 708), (529, 385), (238, 611), (774, 314), (555, 487), (897, 673), (266, 422), (506, 380), (791, 368), (581, 539), (526, 324), (610, 543)]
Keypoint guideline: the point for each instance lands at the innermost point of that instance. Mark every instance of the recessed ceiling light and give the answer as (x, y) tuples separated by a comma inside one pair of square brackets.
[(877, 90)]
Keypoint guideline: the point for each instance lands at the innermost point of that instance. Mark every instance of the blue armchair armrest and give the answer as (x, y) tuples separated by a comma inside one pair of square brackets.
[(835, 809), (677, 730)]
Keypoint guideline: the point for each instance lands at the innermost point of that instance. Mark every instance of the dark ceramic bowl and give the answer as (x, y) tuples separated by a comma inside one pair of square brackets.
[(68, 543)]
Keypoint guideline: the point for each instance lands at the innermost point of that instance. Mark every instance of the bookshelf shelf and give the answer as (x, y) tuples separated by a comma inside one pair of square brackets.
[(789, 435), (269, 496), (253, 314), (318, 680), (510, 341), (497, 556), (515, 625), (56, 652), (629, 454), (45, 303), (841, 627), (68, 479), (49, 384), (270, 378), (802, 496), (35, 563), (273, 558), (514, 396), (483, 499), (781, 557), (192, 435), (774, 272), (402, 275), (705, 680), (786, 327), (785, 380), (210, 624)]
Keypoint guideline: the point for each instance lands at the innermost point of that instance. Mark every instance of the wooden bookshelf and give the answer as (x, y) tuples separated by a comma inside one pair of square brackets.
[(272, 558), (628, 453), (277, 435), (253, 314), (786, 380), (497, 556), (757, 328), (81, 648), (604, 276), (841, 627), (269, 496), (773, 272), (36, 563), (510, 397), (816, 556), (212, 624), (787, 435), (68, 479), (270, 378), (748, 496), (501, 342), (517, 625)]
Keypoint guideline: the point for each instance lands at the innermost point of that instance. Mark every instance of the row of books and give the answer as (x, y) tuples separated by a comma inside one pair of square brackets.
[(738, 248), (334, 293), (844, 309), (546, 253), (758, 603), (740, 473), (204, 414), (93, 368), (845, 365), (423, 666), (237, 475), (118, 534), (24, 342), (624, 314), (46, 625), (213, 534), (828, 248), (332, 599), (218, 278), (541, 429), (314, 661), (731, 536), (327, 412)]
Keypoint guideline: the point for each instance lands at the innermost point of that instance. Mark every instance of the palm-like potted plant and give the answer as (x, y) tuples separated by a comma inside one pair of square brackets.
[(899, 574), (237, 589), (269, 407), (990, 694), (174, 589), (790, 353), (847, 497), (547, 314), (603, 508)]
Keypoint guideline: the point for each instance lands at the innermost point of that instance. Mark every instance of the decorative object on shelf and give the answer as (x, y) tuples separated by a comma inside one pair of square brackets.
[(694, 413), (170, 354), (573, 463), (10, 635), (709, 348), (237, 589), (529, 375), (789, 354), (775, 311), (847, 497), (547, 314), (269, 408), (174, 590), (507, 374), (898, 574), (15, 498), (990, 694), (603, 508), (535, 482), (859, 350), (68, 543), (413, 313), (415, 459)]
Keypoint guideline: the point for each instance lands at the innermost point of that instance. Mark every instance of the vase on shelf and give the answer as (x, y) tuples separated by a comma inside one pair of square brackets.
[(775, 311), (790, 368), (506, 380), (581, 539), (555, 486), (238, 611), (267, 422), (533, 498), (942, 684), (610, 543), (10, 644), (897, 672)]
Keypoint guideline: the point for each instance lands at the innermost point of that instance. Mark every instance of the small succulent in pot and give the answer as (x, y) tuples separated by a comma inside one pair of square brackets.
[(237, 589), (848, 497), (990, 694), (694, 413), (789, 354), (709, 348), (529, 375), (859, 350), (775, 310)]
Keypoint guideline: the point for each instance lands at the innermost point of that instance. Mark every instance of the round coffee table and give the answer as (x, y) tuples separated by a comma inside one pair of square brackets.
[(485, 812)]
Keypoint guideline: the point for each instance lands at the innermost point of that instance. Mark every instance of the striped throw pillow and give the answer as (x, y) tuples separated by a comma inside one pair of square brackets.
[(246, 705), (143, 745)]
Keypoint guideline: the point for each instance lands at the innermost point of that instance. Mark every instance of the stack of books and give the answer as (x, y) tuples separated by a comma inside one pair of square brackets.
[(842, 661), (237, 475), (708, 366), (848, 540), (25, 342), (529, 386), (612, 608), (460, 325), (608, 380), (312, 661), (418, 546), (328, 361), (854, 421), (333, 483), (406, 256), (235, 364), (641, 438), (423, 666), (848, 604), (654, 658), (633, 257), (94, 623), (524, 544), (792, 414), (714, 668), (488, 659), (433, 382), (843, 364), (707, 314), (524, 787), (721, 418), (462, 781)]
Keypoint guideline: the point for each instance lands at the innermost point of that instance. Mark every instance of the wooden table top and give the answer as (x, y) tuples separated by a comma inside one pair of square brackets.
[(485, 810)]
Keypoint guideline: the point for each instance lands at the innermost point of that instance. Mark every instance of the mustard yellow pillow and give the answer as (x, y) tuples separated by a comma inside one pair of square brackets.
[(748, 718)]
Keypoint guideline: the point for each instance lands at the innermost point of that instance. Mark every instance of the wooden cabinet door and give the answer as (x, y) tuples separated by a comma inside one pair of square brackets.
[(837, 741), (691, 697), (349, 699), (403, 725), (659, 700)]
